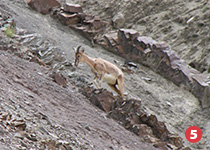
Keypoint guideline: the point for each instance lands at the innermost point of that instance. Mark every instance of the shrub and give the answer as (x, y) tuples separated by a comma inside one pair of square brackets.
[(10, 31)]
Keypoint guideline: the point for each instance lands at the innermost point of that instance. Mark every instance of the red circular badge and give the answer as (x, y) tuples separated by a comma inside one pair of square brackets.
[(193, 134)]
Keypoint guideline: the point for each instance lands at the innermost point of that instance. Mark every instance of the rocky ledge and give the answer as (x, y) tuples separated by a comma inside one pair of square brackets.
[(134, 47)]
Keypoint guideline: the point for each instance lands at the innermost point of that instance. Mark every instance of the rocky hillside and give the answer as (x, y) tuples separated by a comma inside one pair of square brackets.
[(184, 25), (44, 40)]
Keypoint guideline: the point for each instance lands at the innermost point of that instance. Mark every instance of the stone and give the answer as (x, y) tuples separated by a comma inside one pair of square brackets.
[(98, 25), (201, 89), (118, 20), (103, 98), (132, 64), (130, 33), (126, 69), (152, 121), (142, 129), (68, 19), (161, 145), (72, 8), (175, 140), (20, 124), (150, 139), (95, 22), (110, 39), (43, 6), (19, 135), (51, 144), (161, 131), (31, 137), (3, 115)]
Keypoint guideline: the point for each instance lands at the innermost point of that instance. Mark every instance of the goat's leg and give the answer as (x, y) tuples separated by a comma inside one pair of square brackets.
[(96, 83), (120, 83), (100, 80), (113, 87), (100, 72)]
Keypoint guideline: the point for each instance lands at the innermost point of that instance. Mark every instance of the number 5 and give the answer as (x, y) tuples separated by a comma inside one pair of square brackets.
[(194, 134)]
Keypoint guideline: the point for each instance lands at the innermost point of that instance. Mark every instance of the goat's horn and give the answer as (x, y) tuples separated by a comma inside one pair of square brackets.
[(78, 48)]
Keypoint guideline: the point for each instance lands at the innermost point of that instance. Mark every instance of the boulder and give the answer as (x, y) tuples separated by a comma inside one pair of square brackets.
[(100, 98), (68, 19), (43, 6), (72, 8), (118, 20), (59, 79)]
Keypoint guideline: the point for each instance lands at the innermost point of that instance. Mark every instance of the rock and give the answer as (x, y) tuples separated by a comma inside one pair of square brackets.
[(118, 20), (161, 145), (73, 16), (126, 69), (72, 8), (110, 39), (201, 89), (19, 135), (152, 121), (175, 140), (43, 6), (63, 145), (59, 79), (103, 99), (161, 131), (130, 34), (98, 25), (31, 137), (150, 139), (51, 144), (68, 19), (158, 128), (4, 115), (94, 22), (148, 126), (20, 124), (60, 142), (86, 126), (142, 129), (132, 64)]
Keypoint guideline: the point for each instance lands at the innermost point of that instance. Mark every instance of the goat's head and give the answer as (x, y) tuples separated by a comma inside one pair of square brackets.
[(78, 55)]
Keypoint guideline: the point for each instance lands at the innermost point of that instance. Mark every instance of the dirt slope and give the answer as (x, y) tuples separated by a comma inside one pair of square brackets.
[(51, 112), (173, 105)]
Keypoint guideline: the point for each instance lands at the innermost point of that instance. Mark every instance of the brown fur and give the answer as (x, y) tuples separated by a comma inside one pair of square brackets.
[(103, 71)]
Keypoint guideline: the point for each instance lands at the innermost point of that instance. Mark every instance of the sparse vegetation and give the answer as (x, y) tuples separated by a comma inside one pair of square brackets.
[(10, 31)]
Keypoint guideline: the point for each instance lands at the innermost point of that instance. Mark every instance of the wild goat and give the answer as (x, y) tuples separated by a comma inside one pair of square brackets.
[(103, 71)]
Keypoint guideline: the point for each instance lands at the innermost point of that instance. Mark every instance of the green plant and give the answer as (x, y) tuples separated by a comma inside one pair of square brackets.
[(10, 31)]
